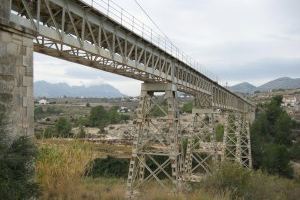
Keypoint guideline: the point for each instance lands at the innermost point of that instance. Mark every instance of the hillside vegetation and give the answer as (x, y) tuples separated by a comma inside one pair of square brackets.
[(99, 117), (273, 144)]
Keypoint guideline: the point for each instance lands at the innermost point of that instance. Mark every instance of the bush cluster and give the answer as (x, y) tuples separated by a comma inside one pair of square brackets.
[(40, 112), (249, 185), (187, 107), (62, 128), (118, 167), (100, 117), (108, 167), (16, 165), (271, 136)]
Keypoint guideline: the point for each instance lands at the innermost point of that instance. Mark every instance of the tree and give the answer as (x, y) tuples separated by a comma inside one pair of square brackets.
[(276, 160), (16, 165), (283, 126), (295, 152), (271, 139), (114, 116), (63, 127), (98, 117), (38, 112)]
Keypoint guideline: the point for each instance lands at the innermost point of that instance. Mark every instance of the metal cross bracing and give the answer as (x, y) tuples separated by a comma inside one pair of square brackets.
[(201, 150), (77, 32), (157, 151), (236, 140), (230, 138), (245, 142)]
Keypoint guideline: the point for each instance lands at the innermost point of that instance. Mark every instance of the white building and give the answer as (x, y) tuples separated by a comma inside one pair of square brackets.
[(123, 109), (43, 102), (289, 101)]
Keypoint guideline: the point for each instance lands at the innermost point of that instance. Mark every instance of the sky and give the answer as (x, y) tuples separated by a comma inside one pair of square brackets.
[(237, 40)]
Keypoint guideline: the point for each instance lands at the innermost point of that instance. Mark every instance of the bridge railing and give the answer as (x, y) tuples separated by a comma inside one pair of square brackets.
[(121, 16)]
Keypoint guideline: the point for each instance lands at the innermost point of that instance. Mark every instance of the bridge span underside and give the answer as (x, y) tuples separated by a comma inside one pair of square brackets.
[(75, 31)]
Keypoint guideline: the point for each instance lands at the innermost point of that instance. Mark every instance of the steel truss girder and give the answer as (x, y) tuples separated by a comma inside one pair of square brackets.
[(75, 31), (157, 144)]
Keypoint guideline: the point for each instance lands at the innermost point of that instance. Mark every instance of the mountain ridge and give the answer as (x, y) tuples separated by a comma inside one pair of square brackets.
[(243, 87), (279, 83), (46, 89)]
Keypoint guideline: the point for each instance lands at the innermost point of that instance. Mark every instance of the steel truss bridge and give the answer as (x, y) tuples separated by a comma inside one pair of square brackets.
[(100, 35)]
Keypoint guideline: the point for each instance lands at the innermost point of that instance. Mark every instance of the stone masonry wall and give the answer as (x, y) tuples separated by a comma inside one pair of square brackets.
[(16, 82)]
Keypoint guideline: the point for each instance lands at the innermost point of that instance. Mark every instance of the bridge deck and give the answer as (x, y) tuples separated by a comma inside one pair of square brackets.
[(77, 32)]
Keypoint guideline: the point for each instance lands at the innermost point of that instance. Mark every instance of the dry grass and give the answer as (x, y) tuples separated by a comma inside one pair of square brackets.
[(60, 167), (61, 164)]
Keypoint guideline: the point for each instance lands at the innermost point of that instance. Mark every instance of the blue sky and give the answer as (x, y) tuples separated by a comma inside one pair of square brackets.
[(237, 40)]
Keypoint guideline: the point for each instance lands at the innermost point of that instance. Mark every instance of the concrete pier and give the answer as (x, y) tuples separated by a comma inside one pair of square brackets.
[(16, 76)]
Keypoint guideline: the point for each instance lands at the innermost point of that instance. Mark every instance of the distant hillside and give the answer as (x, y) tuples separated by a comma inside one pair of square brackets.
[(244, 87), (281, 83), (45, 89)]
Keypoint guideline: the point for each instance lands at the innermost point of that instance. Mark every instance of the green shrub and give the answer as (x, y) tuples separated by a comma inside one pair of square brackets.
[(82, 121), (108, 167), (187, 107), (242, 183), (63, 128), (276, 160), (40, 113), (230, 176), (219, 132), (16, 163), (118, 167), (16, 169), (49, 132), (263, 186), (295, 152), (100, 117)]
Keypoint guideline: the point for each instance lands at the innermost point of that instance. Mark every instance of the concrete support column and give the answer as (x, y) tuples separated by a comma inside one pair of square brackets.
[(16, 77)]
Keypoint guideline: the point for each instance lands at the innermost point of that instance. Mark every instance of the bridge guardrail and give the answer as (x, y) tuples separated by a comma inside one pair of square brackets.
[(121, 16)]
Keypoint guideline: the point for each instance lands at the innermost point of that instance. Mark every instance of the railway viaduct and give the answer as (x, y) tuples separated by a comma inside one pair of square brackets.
[(101, 35)]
